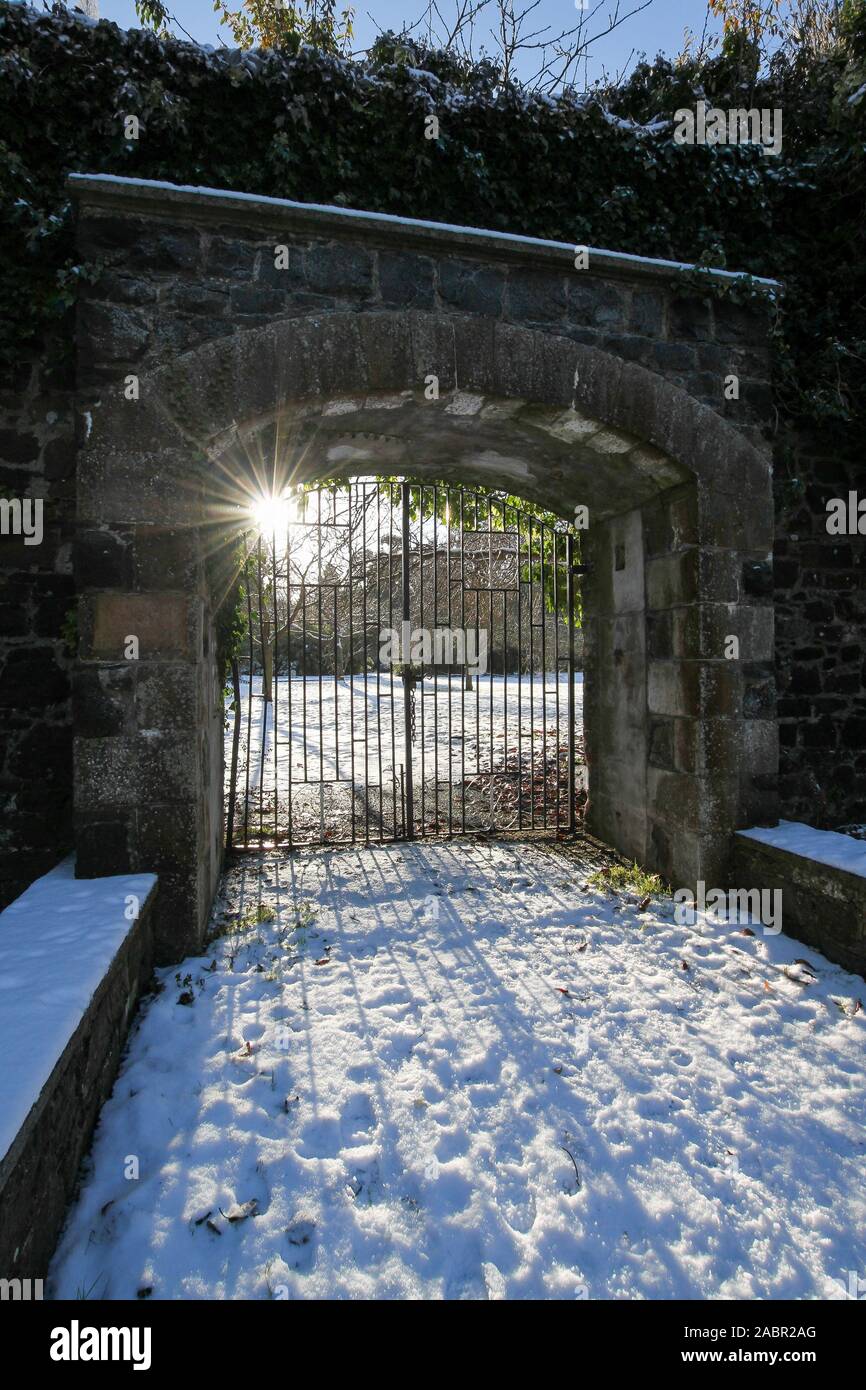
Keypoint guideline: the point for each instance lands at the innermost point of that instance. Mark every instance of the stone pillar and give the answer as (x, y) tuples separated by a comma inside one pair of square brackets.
[(681, 738), (615, 721), (148, 746)]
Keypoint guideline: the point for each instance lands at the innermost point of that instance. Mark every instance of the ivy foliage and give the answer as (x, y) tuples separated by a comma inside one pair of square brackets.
[(601, 170)]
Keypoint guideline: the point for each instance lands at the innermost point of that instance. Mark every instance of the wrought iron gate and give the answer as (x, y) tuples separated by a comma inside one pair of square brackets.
[(409, 670)]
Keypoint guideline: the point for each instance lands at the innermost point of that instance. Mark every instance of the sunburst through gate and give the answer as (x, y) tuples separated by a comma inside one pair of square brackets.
[(409, 669)]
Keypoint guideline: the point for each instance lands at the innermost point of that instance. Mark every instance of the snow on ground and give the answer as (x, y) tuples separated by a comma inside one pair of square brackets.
[(353, 729), (314, 722), (460, 1071)]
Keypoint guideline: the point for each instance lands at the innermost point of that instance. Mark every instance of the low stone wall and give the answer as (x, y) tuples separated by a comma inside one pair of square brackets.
[(823, 905), (68, 1060)]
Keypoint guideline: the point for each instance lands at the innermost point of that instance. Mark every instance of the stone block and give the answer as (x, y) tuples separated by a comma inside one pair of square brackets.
[(471, 286), (167, 697), (103, 700), (536, 296), (163, 623), (132, 770), (339, 269), (407, 280)]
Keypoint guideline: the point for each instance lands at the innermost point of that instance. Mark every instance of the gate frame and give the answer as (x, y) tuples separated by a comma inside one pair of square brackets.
[(561, 562)]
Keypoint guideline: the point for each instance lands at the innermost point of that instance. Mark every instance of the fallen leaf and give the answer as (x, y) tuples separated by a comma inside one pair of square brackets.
[(747, 931), (684, 965), (644, 903), (796, 980), (563, 991), (216, 1230), (241, 1213)]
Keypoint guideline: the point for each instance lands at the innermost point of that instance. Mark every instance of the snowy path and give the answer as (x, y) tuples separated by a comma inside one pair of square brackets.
[(395, 1085)]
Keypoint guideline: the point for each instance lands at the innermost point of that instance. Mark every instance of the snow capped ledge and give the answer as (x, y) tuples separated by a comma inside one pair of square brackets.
[(821, 875), (74, 956), (152, 197), (822, 846)]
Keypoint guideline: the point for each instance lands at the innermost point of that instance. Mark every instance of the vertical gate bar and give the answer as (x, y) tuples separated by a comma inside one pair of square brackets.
[(335, 513), (572, 770), (392, 497), (247, 582), (320, 682), (449, 682), (434, 673), (262, 749), (379, 660), (236, 738), (504, 520), (555, 537), (490, 566), (419, 737), (543, 681), (275, 666), (351, 490), (366, 706), (477, 630), (407, 713), (531, 679), (289, 617), (519, 681), (304, 662), (463, 675)]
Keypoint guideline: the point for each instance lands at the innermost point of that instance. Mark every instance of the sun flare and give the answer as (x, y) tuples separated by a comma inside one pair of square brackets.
[(272, 515)]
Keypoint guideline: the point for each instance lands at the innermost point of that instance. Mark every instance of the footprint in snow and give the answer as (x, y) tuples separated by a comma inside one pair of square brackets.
[(358, 1120), (301, 1239)]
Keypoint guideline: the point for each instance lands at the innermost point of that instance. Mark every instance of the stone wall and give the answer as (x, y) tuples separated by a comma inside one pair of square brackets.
[(183, 280), (39, 1172), (822, 905), (37, 460), (820, 598)]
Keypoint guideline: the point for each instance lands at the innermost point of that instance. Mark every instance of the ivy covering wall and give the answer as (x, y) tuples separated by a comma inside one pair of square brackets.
[(604, 171)]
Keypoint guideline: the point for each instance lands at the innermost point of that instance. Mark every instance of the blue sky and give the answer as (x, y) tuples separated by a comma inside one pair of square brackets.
[(659, 28)]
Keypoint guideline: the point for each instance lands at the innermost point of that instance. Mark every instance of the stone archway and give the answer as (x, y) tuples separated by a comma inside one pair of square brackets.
[(679, 505)]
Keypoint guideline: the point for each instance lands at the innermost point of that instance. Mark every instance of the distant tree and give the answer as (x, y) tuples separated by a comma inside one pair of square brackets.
[(270, 23)]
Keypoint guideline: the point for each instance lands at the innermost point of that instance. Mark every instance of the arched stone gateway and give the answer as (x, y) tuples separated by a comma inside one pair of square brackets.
[(681, 739)]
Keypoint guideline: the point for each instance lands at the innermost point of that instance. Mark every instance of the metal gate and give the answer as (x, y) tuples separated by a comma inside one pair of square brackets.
[(409, 670)]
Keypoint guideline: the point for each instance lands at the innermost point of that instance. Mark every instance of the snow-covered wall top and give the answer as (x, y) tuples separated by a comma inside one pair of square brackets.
[(155, 196), (57, 942), (823, 846)]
